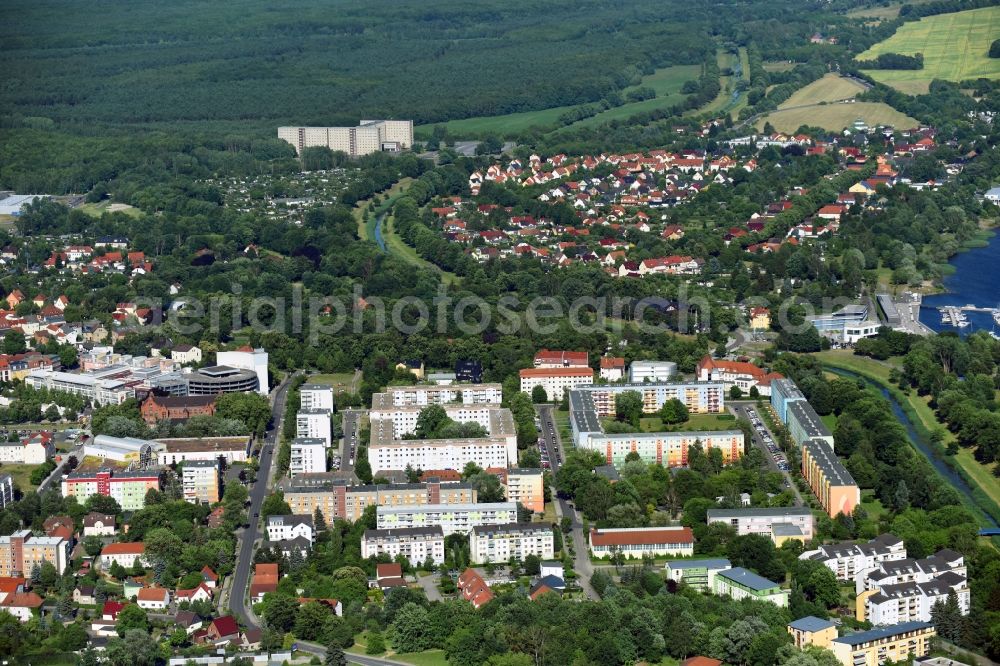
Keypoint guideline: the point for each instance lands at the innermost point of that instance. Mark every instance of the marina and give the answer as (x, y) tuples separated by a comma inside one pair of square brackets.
[(971, 300)]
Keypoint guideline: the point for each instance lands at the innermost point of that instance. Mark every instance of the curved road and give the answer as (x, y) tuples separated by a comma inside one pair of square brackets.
[(241, 576)]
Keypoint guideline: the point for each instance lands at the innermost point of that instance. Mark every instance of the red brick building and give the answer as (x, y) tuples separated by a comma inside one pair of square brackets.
[(176, 408)]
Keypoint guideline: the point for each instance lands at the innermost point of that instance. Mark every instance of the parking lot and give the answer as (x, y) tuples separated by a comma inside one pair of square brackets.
[(780, 460), (764, 440)]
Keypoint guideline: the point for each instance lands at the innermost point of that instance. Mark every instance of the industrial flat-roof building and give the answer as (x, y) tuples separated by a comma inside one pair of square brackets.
[(763, 520)]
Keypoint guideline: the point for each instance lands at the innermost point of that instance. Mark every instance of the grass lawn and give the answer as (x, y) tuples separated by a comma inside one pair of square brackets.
[(779, 66), (955, 48), (425, 658), (694, 423), (21, 474), (981, 475), (835, 117), (666, 81), (340, 381), (395, 245), (367, 231), (830, 88), (830, 421), (98, 209), (873, 506)]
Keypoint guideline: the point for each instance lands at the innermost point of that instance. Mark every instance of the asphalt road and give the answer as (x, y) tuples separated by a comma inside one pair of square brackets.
[(320, 651), (550, 441), (352, 425), (244, 562), (740, 410), (58, 471)]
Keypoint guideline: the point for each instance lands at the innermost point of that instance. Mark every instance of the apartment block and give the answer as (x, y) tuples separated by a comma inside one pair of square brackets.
[(641, 372), (316, 396), (424, 394), (911, 570), (21, 552), (812, 630), (416, 544), (898, 642), (554, 358), (125, 554), (201, 480), (804, 423), (6, 490), (314, 424), (555, 381), (127, 487), (829, 480), (784, 392), (525, 486), (612, 368), (308, 456), (694, 573), (740, 583), (698, 397), (913, 602), (335, 499), (452, 518), (850, 560), (499, 543), (764, 521), (669, 449), (370, 136), (34, 449), (642, 541)]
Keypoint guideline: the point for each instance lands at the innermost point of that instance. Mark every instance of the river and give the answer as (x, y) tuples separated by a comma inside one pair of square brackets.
[(378, 231), (922, 445), (976, 281)]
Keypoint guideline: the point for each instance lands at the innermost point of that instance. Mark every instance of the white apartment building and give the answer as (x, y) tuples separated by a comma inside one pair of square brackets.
[(913, 602), (422, 394), (316, 396), (124, 554), (254, 360), (33, 450), (416, 544), (6, 490), (314, 424), (651, 371), (762, 521), (286, 528), (499, 543), (496, 420), (370, 136), (850, 560), (308, 455), (452, 518), (910, 570), (441, 453), (555, 381)]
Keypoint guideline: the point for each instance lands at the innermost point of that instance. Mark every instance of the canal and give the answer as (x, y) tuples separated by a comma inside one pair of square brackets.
[(922, 445)]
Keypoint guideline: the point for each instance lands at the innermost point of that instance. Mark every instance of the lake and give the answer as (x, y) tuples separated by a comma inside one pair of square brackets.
[(976, 281)]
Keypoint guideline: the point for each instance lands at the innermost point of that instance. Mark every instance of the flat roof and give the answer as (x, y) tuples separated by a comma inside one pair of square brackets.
[(807, 417), (811, 623), (777, 512), (583, 412), (410, 532), (834, 471), (446, 508), (748, 578), (191, 444), (511, 528), (885, 632), (712, 563)]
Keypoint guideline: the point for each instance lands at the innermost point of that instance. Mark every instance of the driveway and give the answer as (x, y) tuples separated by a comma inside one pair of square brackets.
[(739, 409)]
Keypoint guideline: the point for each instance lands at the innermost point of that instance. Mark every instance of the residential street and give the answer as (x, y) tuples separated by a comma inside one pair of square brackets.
[(244, 562), (551, 442)]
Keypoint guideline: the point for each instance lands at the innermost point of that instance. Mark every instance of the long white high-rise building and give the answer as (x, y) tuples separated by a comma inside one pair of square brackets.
[(370, 136)]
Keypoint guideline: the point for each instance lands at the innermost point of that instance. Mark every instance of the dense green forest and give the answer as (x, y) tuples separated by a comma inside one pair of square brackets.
[(322, 63)]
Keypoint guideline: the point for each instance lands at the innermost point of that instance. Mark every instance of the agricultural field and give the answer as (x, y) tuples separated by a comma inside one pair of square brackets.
[(955, 48), (666, 81), (835, 117), (830, 88)]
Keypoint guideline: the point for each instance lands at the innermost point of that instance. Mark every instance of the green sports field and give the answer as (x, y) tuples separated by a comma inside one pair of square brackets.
[(955, 48)]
